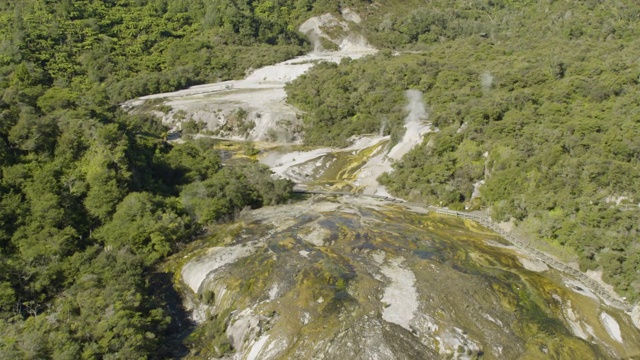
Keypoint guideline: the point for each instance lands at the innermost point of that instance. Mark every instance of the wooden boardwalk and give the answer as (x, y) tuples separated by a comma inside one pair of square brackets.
[(486, 221)]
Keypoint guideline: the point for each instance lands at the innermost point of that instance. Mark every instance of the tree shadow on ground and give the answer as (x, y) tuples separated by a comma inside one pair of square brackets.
[(172, 346)]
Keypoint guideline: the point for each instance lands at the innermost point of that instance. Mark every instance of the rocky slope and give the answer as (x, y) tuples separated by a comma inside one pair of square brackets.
[(254, 108), (355, 278)]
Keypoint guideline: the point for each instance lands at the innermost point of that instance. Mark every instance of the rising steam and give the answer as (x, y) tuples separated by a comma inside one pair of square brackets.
[(415, 107), (486, 80)]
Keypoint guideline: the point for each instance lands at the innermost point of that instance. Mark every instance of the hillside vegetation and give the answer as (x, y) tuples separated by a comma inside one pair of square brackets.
[(92, 198), (537, 98)]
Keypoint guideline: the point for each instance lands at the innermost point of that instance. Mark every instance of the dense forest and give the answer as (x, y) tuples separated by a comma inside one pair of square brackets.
[(92, 198), (538, 99)]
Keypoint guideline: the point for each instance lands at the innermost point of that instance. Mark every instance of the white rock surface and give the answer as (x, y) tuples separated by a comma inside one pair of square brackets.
[(635, 315), (415, 129), (574, 322), (400, 295), (292, 164), (580, 288), (195, 272), (350, 15), (262, 92), (257, 347), (612, 326), (533, 264), (315, 237), (245, 332), (274, 292)]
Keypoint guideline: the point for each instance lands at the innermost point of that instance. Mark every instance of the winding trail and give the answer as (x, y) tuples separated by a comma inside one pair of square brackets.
[(486, 221)]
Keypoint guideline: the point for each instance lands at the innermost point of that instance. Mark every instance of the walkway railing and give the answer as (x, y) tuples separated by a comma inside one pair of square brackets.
[(591, 284)]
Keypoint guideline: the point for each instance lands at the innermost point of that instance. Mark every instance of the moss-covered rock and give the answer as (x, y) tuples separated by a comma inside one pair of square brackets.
[(355, 278)]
